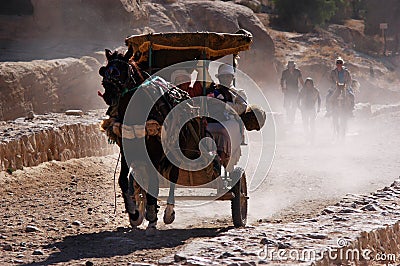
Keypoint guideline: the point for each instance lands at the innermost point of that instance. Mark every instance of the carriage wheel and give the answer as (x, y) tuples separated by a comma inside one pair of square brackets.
[(239, 202)]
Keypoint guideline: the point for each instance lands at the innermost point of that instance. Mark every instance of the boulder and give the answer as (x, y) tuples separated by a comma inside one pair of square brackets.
[(218, 16), (356, 39), (254, 5)]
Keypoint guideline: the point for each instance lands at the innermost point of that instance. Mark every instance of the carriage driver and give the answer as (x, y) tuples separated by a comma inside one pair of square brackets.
[(228, 146), (339, 75)]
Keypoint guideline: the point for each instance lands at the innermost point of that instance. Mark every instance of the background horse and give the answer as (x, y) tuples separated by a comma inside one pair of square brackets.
[(121, 79), (340, 103)]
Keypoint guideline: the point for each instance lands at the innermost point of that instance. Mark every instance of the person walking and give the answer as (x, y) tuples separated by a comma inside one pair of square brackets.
[(309, 102), (290, 79)]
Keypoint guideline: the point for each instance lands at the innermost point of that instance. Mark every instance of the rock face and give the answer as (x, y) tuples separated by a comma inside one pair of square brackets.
[(48, 86), (51, 137), (218, 16), (254, 5), (45, 29), (356, 38), (80, 27)]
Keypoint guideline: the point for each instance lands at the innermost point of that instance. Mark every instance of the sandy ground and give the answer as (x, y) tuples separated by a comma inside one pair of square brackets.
[(63, 212)]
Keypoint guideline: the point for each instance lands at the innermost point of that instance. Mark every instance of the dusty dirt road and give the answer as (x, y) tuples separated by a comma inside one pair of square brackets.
[(63, 212)]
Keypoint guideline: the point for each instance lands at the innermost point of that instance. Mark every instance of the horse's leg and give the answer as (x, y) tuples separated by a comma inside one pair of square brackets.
[(169, 213), (147, 181), (343, 126), (149, 174), (173, 178), (127, 193), (336, 124), (151, 198), (123, 175)]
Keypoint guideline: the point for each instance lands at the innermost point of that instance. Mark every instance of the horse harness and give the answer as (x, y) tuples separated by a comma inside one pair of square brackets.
[(130, 85)]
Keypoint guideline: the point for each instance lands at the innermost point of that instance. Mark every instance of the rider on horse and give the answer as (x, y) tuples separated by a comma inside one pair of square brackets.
[(339, 75)]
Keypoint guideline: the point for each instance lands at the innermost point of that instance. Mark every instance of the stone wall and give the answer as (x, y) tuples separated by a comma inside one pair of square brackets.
[(23, 145), (358, 230), (380, 246)]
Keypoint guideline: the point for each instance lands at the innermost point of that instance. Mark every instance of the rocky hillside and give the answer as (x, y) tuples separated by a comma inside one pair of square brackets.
[(217, 16), (45, 29), (315, 55), (58, 30)]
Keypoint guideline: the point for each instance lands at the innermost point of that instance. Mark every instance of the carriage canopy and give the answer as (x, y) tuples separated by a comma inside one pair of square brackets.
[(165, 49)]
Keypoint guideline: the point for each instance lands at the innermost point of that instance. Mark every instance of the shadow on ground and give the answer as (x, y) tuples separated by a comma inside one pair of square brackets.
[(123, 241)]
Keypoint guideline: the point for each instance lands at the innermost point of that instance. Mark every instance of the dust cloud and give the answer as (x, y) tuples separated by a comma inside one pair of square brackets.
[(305, 177)]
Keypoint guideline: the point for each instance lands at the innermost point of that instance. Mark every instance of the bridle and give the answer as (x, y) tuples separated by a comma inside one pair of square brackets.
[(111, 76)]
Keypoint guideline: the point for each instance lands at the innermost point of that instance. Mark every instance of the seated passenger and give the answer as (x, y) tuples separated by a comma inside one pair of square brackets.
[(182, 79)]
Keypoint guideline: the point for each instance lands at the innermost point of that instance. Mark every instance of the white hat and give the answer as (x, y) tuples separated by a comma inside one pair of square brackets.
[(339, 59), (225, 69), (180, 73)]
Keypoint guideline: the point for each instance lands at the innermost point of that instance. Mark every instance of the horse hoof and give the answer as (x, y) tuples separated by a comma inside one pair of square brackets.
[(151, 213), (135, 219), (169, 214), (151, 229)]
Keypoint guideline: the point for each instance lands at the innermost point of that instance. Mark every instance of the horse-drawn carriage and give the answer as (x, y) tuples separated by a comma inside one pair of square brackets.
[(142, 120)]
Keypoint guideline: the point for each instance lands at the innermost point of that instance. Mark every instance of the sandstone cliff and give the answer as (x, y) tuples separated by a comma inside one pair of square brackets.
[(217, 16), (48, 86), (45, 29)]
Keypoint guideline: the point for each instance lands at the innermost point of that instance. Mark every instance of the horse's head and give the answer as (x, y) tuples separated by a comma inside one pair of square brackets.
[(119, 75), (340, 86)]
